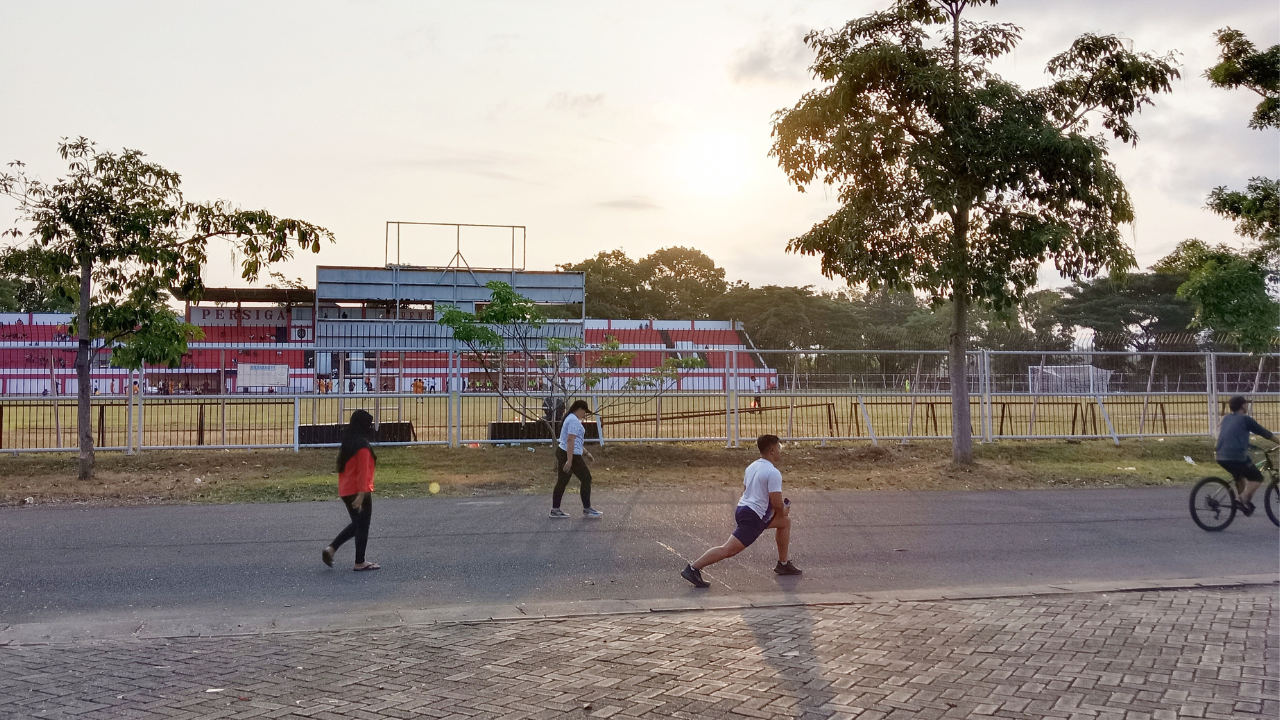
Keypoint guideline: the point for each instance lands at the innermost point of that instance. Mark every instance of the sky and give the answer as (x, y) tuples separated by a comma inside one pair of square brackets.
[(594, 124)]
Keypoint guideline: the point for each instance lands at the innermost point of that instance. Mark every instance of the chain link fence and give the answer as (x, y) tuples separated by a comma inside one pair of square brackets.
[(732, 397)]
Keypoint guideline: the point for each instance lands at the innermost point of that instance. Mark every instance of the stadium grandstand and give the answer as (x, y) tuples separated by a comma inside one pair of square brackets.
[(373, 330)]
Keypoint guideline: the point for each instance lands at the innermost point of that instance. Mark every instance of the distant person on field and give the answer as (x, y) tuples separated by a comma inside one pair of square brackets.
[(356, 465), (1232, 451), (761, 508), (569, 461), (755, 390)]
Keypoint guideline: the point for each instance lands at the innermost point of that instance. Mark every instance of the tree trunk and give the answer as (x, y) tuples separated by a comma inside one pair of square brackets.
[(84, 388), (961, 421)]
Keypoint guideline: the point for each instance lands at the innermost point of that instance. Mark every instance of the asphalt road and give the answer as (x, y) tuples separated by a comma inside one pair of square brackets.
[(60, 562)]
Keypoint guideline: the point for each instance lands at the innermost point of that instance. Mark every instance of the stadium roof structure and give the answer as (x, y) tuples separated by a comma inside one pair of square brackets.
[(277, 296), (401, 287), (461, 287)]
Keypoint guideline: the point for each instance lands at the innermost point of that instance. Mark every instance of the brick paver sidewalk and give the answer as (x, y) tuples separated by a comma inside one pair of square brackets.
[(1160, 654)]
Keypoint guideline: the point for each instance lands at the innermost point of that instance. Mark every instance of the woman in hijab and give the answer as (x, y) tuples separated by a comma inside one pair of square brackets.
[(356, 463)]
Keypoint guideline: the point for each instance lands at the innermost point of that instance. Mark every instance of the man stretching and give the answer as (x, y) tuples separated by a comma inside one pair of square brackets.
[(1232, 451), (760, 508)]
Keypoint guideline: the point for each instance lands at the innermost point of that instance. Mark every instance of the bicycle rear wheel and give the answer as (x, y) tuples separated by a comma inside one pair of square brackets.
[(1273, 502), (1213, 504)]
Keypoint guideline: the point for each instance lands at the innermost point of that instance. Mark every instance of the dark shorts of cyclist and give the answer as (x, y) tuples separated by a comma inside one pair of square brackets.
[(1232, 451)]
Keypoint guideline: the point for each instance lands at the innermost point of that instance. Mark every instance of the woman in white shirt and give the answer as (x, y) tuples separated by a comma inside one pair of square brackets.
[(569, 461)]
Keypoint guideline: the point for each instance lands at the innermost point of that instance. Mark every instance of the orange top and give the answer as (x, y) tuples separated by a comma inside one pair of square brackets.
[(357, 476)]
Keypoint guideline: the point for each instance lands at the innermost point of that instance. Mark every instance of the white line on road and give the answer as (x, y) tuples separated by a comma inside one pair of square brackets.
[(673, 552)]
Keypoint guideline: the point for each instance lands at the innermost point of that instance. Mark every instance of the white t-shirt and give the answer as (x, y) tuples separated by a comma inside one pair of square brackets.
[(572, 426), (760, 479)]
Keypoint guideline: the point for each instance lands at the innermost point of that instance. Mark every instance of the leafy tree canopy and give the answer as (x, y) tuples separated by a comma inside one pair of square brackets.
[(1256, 210), (1129, 309), (122, 228), (670, 283), (33, 280), (1242, 65), (1228, 289), (953, 181)]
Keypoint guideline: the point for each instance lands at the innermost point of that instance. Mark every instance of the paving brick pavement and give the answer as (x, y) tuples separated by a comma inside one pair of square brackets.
[(1157, 655)]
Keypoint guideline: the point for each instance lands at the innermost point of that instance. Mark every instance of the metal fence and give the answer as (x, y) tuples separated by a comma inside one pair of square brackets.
[(734, 397)]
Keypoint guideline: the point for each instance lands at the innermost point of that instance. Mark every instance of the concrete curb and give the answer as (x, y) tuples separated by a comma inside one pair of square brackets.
[(212, 625)]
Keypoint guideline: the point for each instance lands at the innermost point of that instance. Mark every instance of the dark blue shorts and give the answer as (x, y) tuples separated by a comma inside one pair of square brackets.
[(750, 525), (1242, 470)]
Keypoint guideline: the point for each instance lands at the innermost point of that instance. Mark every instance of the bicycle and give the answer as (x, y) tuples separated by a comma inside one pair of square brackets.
[(1213, 500)]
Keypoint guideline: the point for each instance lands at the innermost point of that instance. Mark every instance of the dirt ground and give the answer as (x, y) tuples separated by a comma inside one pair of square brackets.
[(282, 475)]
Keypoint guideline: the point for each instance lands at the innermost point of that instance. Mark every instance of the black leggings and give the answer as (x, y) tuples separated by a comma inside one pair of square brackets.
[(359, 527), (578, 468)]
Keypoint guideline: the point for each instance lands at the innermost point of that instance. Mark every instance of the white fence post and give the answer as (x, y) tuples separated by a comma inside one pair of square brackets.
[(985, 359), (452, 424), (128, 414), (1107, 416), (737, 410), (1211, 391), (142, 390), (911, 415), (595, 402), (791, 410), (296, 411), (1146, 399), (728, 408), (867, 416)]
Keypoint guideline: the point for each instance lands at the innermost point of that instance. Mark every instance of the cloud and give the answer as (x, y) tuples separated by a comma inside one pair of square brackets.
[(632, 202), (772, 58), (495, 166), (581, 105)]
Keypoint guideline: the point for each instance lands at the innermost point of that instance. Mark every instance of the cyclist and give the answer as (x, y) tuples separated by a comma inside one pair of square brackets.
[(1232, 451)]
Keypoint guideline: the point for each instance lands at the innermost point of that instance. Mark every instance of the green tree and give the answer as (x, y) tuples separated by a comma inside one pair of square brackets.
[(673, 283), (33, 280), (1127, 310), (776, 318), (1256, 211), (953, 181), (1242, 65), (122, 227), (1228, 289), (685, 279), (615, 287)]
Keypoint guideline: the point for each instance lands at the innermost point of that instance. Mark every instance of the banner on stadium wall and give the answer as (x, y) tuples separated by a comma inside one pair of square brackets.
[(250, 375), (215, 316)]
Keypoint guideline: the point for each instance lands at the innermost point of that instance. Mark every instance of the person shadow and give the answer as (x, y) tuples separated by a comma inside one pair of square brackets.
[(789, 646)]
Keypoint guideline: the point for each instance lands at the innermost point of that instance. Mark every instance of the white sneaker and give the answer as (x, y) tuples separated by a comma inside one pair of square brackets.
[(558, 513), (591, 513)]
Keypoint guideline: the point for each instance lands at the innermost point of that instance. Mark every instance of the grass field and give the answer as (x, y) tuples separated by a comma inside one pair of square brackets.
[(194, 421), (220, 476)]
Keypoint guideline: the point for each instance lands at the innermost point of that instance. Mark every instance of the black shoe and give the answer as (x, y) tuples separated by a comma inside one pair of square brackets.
[(1245, 508), (787, 569), (693, 575)]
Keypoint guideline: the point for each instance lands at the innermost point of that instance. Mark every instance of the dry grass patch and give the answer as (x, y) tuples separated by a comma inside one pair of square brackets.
[(177, 476)]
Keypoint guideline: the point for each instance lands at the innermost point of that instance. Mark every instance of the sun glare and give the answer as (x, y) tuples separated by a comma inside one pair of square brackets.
[(714, 163)]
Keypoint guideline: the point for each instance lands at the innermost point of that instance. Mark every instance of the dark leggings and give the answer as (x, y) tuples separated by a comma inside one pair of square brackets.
[(579, 468), (359, 527)]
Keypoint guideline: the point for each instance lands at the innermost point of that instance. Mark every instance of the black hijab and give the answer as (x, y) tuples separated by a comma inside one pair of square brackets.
[(356, 438)]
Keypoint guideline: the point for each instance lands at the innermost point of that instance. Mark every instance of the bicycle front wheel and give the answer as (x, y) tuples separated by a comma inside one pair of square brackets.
[(1273, 502), (1213, 504)]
